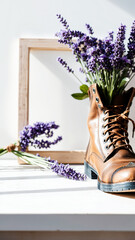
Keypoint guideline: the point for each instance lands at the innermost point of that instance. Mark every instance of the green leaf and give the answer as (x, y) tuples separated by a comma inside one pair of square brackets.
[(79, 96), (1, 150), (84, 88), (123, 82)]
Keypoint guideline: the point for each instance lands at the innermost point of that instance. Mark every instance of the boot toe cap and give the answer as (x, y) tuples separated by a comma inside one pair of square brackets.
[(123, 175)]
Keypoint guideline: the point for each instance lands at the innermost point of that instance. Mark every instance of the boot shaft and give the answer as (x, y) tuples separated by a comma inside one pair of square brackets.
[(103, 117)]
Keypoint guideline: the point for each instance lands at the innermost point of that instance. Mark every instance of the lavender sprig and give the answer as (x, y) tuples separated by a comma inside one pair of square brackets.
[(63, 21), (65, 65), (119, 48), (29, 134), (66, 171), (89, 28), (59, 168), (131, 43), (69, 69)]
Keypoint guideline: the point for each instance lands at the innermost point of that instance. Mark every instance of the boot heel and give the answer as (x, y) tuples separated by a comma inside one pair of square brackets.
[(88, 171)]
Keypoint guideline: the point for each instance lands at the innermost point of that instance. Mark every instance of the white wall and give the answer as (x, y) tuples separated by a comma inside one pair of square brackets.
[(37, 18)]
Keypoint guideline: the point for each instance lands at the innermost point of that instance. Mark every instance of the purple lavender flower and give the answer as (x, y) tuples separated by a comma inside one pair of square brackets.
[(64, 64), (64, 37), (66, 171), (91, 51), (60, 168), (92, 64), (63, 21), (76, 50), (110, 36), (44, 143), (76, 34), (119, 48), (131, 45), (29, 134), (89, 28)]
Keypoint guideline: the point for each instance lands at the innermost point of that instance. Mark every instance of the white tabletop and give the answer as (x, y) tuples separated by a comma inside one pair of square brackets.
[(36, 199)]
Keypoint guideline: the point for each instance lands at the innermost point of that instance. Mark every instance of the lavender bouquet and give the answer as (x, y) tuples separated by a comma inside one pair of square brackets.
[(31, 136), (106, 62)]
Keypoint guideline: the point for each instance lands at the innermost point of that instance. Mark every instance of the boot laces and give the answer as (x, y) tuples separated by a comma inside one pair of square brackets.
[(117, 127)]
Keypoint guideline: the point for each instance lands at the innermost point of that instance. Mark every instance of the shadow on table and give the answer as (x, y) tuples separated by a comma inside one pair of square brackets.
[(49, 190), (28, 177), (125, 195)]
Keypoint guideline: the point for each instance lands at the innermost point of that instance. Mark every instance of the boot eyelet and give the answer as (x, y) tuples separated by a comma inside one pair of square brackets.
[(104, 111), (107, 147), (94, 91), (104, 119), (97, 99), (99, 105), (103, 126), (103, 133), (105, 141)]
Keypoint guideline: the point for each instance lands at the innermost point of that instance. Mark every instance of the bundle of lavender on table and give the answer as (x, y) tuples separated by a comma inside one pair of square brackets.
[(29, 136), (107, 62)]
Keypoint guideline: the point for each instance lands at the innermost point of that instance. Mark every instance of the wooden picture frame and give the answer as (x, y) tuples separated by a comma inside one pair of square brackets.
[(25, 47)]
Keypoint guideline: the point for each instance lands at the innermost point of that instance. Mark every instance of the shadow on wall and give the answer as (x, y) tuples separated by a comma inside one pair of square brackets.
[(128, 6), (71, 114)]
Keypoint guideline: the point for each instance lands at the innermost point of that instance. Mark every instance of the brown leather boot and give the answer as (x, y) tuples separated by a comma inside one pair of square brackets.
[(109, 156)]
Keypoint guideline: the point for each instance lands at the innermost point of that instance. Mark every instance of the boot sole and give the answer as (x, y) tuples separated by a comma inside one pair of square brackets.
[(114, 187)]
